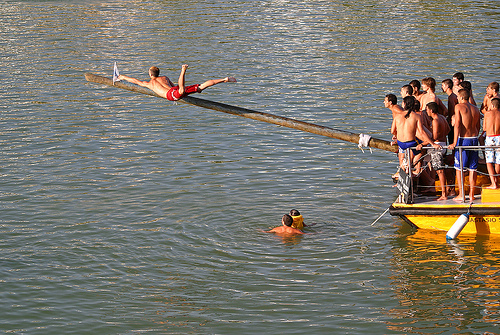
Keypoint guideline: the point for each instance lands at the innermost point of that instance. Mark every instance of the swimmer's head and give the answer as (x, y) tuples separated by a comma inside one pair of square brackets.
[(294, 212), (287, 220)]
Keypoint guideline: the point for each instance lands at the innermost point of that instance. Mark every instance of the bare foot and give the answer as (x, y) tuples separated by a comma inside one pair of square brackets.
[(458, 198), (443, 197), (230, 80), (492, 187)]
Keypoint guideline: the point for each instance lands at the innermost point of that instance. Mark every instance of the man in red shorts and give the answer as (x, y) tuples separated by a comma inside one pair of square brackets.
[(166, 89)]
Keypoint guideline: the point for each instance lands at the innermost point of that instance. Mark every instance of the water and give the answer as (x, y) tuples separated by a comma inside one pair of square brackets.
[(126, 214)]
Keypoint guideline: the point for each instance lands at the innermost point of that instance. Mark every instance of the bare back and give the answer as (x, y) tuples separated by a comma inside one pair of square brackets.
[(285, 230), (160, 85), (440, 128), (427, 97), (491, 123), (406, 128), (467, 119)]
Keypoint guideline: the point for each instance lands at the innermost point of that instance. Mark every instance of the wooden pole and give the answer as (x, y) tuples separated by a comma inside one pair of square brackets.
[(251, 114)]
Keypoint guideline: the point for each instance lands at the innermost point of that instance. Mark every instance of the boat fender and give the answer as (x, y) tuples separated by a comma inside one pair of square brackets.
[(457, 226)]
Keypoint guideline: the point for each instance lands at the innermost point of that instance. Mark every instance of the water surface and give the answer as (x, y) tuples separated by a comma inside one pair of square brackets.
[(125, 214)]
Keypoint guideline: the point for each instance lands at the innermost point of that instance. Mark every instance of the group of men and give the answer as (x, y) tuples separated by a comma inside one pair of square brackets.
[(423, 119)]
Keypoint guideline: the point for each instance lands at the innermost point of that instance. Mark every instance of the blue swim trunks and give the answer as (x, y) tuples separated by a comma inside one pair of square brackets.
[(405, 145), (469, 157)]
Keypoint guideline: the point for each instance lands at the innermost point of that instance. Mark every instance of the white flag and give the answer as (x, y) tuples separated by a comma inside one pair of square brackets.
[(116, 74)]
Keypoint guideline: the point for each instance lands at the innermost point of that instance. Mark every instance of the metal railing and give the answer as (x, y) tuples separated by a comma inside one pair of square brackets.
[(460, 151)]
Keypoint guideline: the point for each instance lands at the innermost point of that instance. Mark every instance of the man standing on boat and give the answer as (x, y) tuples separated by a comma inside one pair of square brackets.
[(429, 86), (440, 129), (466, 131), (447, 87), (491, 93), (166, 89), (491, 126), (405, 127)]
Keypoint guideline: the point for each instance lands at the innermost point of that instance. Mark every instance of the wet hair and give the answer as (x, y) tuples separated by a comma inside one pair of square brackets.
[(466, 84), (430, 82), (448, 83), (408, 89), (415, 84), (294, 212), (495, 102), (433, 107), (464, 93), (494, 86), (154, 71), (409, 104), (392, 98), (459, 76), (287, 220)]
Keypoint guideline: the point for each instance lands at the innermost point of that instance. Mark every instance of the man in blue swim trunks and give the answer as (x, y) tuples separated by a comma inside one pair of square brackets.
[(466, 131), (405, 127)]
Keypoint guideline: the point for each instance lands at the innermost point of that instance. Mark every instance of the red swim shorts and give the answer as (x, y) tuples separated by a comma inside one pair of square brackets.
[(173, 93)]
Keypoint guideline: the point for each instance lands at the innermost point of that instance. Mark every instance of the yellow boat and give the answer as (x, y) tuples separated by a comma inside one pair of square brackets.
[(427, 213), (424, 212)]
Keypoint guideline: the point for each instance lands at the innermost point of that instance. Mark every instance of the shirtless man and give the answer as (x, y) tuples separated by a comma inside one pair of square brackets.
[(468, 86), (391, 102), (447, 87), (406, 127), (429, 86), (286, 227), (440, 130), (491, 125), (406, 90), (457, 79), (491, 93), (166, 89), (417, 93), (466, 132)]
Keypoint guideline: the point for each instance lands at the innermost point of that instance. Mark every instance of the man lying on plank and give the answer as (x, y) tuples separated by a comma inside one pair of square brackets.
[(165, 88)]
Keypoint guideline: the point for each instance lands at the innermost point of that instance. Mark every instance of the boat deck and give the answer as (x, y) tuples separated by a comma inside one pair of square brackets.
[(490, 198)]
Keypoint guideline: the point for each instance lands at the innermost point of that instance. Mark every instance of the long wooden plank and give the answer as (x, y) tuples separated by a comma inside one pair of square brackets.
[(251, 114)]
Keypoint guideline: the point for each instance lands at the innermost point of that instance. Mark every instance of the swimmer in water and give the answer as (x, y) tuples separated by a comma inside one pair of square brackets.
[(298, 220), (286, 227)]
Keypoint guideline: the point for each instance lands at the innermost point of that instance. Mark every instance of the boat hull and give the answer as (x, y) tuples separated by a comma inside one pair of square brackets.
[(484, 219)]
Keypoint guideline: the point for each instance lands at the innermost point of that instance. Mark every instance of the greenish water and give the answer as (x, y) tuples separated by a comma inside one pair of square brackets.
[(126, 214)]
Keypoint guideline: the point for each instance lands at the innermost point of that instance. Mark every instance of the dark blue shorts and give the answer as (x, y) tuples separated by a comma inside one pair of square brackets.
[(469, 157)]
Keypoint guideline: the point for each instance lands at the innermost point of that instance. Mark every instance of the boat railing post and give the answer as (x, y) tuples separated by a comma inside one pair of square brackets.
[(461, 173), (410, 168)]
